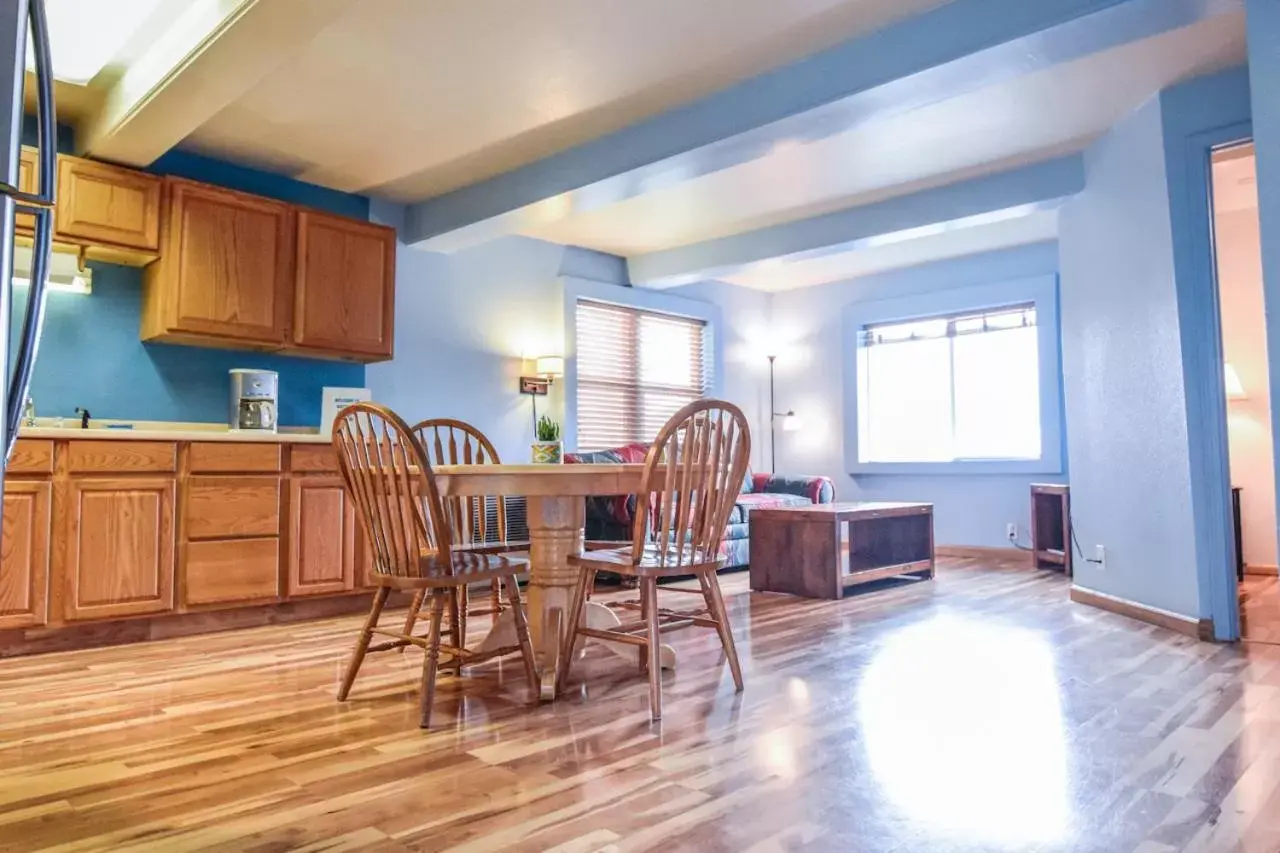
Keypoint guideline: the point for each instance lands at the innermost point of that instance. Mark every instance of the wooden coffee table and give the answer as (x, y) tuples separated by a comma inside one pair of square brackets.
[(818, 551)]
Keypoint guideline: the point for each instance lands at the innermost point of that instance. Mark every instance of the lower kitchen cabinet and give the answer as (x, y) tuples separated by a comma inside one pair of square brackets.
[(119, 538), (24, 554), (322, 537)]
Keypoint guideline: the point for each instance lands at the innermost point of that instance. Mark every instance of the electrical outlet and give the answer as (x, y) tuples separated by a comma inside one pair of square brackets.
[(1011, 531), (1100, 557)]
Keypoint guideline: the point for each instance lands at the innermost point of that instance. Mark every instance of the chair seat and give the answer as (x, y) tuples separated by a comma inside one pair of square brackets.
[(621, 561), (462, 567)]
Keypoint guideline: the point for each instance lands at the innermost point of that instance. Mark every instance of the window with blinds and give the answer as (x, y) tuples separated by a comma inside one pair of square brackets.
[(635, 370)]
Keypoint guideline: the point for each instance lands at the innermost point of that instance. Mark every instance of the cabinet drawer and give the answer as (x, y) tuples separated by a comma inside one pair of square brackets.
[(223, 507), (217, 457), (232, 571), (122, 457), (32, 456), (313, 457)]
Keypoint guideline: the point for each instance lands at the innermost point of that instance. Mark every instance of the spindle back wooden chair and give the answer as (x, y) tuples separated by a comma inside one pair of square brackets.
[(390, 482), (452, 442), (702, 455)]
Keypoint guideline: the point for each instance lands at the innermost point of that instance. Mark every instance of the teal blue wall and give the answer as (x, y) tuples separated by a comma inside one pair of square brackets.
[(91, 355)]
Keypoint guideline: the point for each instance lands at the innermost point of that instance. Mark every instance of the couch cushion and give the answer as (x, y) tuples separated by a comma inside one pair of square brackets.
[(763, 500), (610, 510), (737, 531)]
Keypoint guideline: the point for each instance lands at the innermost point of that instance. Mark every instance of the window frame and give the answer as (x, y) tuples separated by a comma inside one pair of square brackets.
[(575, 289), (1040, 291)]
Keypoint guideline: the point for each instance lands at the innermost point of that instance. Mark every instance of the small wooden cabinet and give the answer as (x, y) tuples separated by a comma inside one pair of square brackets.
[(103, 204), (322, 537), (119, 538), (225, 274), (344, 302), (24, 554)]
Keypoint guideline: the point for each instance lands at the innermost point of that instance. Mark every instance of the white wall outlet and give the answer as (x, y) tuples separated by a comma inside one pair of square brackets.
[(1011, 531), (1100, 557)]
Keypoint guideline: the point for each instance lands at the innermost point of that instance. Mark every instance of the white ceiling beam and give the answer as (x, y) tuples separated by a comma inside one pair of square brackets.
[(214, 53)]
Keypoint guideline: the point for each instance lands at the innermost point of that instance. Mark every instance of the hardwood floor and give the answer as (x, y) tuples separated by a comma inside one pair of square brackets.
[(1260, 608), (979, 712)]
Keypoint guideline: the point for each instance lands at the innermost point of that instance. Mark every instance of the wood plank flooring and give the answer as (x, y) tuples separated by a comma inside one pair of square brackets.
[(979, 712), (1260, 608)]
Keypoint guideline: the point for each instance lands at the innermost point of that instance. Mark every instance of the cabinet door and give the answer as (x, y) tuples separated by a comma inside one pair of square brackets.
[(226, 270), (119, 535), (345, 297), (24, 554), (25, 222), (100, 203), (322, 537)]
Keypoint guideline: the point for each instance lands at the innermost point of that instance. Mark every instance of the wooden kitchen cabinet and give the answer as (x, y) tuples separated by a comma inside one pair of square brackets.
[(232, 571), (25, 222), (119, 540), (322, 537), (99, 203), (225, 274), (344, 301), (24, 554)]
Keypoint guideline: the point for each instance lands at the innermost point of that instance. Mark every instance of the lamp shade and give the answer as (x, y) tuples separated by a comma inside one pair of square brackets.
[(1235, 391), (550, 366)]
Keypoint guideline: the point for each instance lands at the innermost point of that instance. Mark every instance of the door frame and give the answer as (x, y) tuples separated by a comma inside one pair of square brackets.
[(1202, 352)]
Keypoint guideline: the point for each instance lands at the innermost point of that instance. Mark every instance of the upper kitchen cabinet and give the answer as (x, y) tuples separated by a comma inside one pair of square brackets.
[(344, 301), (106, 205), (106, 212), (225, 274), (25, 222)]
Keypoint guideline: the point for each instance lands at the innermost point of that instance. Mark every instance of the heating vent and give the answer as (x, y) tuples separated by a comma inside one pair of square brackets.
[(517, 519)]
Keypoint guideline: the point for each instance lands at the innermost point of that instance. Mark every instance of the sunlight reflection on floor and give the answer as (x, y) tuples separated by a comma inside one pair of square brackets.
[(964, 731)]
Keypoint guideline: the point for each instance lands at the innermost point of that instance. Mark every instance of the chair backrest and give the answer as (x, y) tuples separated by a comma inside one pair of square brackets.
[(692, 478), (451, 442), (389, 478)]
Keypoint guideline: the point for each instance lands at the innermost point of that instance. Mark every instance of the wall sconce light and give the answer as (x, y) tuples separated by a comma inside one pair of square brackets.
[(790, 422), (1235, 390), (546, 370)]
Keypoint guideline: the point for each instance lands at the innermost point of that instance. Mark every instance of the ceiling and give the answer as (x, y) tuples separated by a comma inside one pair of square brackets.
[(407, 99), (991, 129)]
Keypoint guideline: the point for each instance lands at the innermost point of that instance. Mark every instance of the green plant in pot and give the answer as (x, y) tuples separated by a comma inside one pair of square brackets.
[(548, 448)]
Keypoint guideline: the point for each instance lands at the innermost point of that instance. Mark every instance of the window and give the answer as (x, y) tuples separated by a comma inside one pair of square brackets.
[(964, 386), (635, 370)]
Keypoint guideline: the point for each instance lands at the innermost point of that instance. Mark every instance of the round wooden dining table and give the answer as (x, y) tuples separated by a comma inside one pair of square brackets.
[(556, 515)]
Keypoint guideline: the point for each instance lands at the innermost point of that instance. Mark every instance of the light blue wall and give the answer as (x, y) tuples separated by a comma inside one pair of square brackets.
[(464, 324), (1123, 374), (91, 356), (807, 327)]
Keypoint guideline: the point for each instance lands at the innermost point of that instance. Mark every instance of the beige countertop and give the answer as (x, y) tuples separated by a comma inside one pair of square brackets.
[(161, 431)]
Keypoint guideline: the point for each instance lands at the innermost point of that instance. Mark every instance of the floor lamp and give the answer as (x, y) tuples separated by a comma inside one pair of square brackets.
[(774, 414)]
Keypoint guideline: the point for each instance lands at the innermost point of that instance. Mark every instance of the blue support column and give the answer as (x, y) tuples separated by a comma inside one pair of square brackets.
[(1263, 23)]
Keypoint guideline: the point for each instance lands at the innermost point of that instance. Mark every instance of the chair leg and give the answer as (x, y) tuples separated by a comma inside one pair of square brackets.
[(457, 622), (586, 578), (362, 644), (715, 601), (411, 619), (522, 636), (649, 595), (431, 660), (642, 652), (495, 597)]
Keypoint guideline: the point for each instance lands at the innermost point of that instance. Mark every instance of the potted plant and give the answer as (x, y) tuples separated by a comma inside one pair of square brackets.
[(548, 448)]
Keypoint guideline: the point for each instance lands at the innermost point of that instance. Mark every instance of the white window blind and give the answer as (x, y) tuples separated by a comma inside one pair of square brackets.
[(943, 389), (635, 370)]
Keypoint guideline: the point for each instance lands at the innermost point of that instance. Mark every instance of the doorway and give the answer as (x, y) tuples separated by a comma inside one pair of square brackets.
[(1238, 257)]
